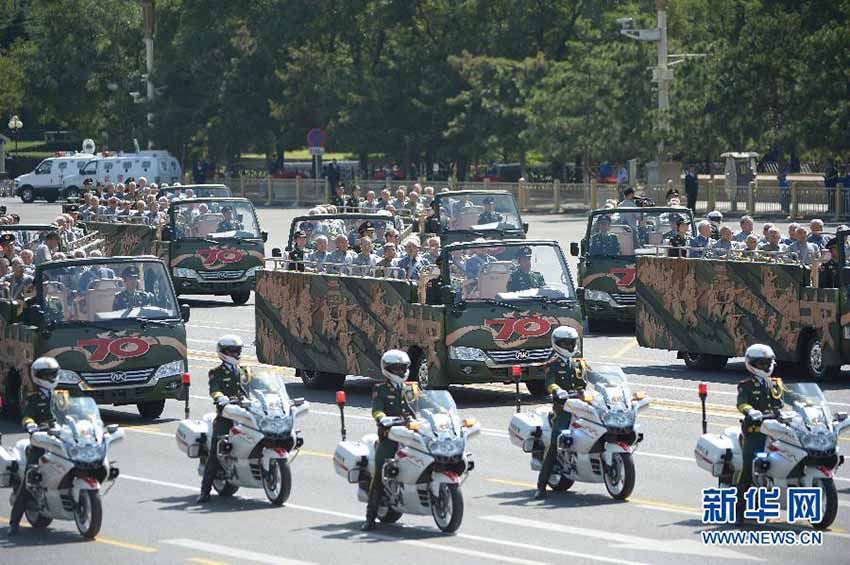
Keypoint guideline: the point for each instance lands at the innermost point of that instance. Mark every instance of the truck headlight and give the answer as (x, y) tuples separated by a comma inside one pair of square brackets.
[(598, 296), (466, 354), (66, 377), (169, 370), (252, 272), (182, 273)]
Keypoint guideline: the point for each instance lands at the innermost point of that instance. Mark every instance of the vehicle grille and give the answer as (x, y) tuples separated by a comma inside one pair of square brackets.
[(519, 356), (220, 275), (118, 378), (624, 299)]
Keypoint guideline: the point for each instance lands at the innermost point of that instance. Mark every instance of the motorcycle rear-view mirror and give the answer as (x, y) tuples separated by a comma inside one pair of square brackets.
[(528, 445), (298, 401), (276, 252), (111, 428), (574, 249)]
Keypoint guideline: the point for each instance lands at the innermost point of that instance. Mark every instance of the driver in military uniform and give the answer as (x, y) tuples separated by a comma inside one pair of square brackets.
[(132, 296), (392, 398), (227, 222), (523, 278), (565, 374), (602, 242), (489, 215)]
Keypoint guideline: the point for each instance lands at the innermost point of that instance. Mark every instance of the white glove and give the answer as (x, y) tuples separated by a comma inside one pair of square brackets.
[(222, 401), (754, 415), (31, 427), (562, 394), (387, 421)]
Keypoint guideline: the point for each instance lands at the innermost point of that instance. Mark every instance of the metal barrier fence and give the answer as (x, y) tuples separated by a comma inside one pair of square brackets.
[(797, 201)]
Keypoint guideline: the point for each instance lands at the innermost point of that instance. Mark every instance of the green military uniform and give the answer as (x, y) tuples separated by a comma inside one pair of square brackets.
[(829, 275), (489, 218), (387, 400), (36, 411), (604, 244), (560, 375), (131, 299), (520, 280), (226, 382), (715, 232), (228, 225), (338, 200), (754, 395)]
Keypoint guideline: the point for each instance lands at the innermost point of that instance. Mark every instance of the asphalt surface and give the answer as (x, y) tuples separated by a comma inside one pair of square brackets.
[(150, 515)]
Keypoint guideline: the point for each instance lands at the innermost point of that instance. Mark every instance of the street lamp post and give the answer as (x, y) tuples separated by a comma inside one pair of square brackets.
[(15, 125)]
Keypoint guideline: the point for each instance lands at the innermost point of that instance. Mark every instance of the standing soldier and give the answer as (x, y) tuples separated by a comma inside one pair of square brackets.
[(489, 215), (523, 278), (757, 395), (132, 296), (716, 219), (390, 399), (44, 372), (602, 242), (225, 383), (565, 374)]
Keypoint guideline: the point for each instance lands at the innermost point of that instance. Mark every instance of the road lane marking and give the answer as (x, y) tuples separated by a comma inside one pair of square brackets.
[(459, 550), (625, 349), (617, 540), (203, 561), (193, 325), (316, 453), (634, 384), (234, 552), (125, 545)]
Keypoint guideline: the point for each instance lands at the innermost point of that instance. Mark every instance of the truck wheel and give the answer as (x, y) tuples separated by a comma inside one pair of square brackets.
[(151, 410), (241, 297), (27, 194), (320, 380), (813, 361), (704, 361), (536, 388)]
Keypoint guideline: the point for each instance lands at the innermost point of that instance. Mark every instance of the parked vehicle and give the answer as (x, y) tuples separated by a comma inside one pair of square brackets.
[(47, 180)]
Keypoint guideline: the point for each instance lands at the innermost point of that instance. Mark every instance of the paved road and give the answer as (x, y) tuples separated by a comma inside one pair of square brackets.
[(150, 515)]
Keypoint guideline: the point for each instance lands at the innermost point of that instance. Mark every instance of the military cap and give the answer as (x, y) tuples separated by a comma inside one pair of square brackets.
[(682, 220), (435, 205), (714, 216), (365, 226), (306, 226), (489, 200), (604, 219), (524, 252), (628, 190), (7, 238), (227, 208), (299, 233), (131, 272)]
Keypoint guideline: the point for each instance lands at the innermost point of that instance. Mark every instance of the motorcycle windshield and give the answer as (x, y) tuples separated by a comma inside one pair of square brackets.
[(79, 414), (439, 409), (808, 401), (268, 390), (611, 384)]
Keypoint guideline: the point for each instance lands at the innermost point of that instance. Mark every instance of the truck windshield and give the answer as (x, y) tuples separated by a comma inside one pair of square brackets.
[(629, 233), (214, 219), (352, 227), (510, 272), (459, 212), (107, 291)]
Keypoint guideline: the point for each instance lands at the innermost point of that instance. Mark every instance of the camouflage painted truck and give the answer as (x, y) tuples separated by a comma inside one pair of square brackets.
[(81, 314), (614, 238), (709, 310), (210, 245), (471, 320), (467, 215)]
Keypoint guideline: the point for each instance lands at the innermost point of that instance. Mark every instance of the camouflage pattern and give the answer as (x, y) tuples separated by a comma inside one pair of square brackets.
[(126, 240), (721, 307), (340, 324)]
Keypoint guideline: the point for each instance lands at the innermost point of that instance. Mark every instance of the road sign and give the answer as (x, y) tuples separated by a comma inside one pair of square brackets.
[(316, 138), (316, 151)]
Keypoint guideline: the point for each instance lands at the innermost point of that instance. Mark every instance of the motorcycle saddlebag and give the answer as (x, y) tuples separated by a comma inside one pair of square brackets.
[(524, 426), (711, 451), (191, 435), (350, 458), (8, 466)]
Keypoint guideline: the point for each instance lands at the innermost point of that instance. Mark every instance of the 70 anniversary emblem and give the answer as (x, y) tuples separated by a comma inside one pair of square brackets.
[(123, 348), (524, 327), (225, 255)]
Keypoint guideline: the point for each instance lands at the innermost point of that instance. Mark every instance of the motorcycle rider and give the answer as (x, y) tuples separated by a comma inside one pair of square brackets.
[(225, 383), (757, 395), (565, 374), (44, 373), (391, 398)]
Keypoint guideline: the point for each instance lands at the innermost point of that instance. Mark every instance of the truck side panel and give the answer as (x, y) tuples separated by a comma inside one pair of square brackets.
[(722, 307), (127, 240), (17, 344), (342, 325)]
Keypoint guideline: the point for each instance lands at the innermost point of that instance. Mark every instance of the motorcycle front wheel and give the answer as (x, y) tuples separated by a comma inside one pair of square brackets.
[(88, 514), (447, 508), (37, 520), (390, 517), (225, 489), (620, 476), (277, 482), (829, 503)]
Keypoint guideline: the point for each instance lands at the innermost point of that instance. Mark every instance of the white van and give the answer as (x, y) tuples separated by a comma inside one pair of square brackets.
[(47, 180), (156, 166)]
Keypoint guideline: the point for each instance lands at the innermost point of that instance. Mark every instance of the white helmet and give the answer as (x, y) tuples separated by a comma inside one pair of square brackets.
[(45, 372), (760, 360), (565, 342), (395, 365), (229, 349)]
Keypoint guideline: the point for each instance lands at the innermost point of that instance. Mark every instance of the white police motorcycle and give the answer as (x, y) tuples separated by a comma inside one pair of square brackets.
[(602, 437), (262, 442), (429, 467), (801, 449), (66, 484)]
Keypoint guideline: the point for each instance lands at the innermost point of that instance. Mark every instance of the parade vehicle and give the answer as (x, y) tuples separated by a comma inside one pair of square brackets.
[(351, 224), (30, 236), (801, 449), (429, 467), (262, 442), (469, 320), (157, 166), (66, 484), (47, 180), (602, 438), (199, 190), (463, 216), (109, 351), (606, 272), (712, 309)]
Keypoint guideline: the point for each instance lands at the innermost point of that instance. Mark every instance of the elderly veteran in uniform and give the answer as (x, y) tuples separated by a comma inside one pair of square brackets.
[(132, 296), (603, 242), (522, 277)]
